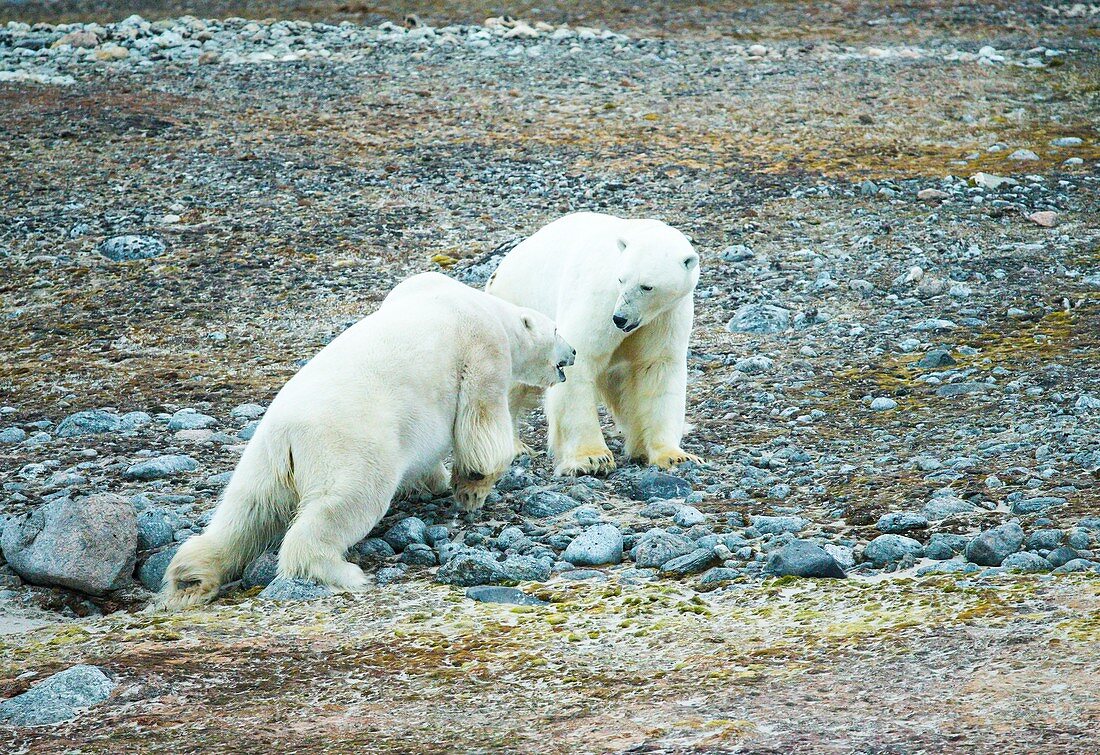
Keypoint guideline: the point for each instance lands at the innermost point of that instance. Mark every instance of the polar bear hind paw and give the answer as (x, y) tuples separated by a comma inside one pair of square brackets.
[(593, 463), (673, 458)]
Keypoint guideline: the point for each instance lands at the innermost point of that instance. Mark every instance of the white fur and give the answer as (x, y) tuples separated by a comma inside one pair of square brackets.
[(376, 410), (583, 270)]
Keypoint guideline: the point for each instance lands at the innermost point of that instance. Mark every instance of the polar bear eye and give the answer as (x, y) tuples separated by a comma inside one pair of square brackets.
[(646, 288)]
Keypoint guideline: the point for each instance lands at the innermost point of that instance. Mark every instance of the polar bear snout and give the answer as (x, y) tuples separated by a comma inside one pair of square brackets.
[(624, 323), (564, 356)]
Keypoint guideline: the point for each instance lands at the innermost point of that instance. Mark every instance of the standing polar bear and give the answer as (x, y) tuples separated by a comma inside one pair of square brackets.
[(375, 411), (621, 293)]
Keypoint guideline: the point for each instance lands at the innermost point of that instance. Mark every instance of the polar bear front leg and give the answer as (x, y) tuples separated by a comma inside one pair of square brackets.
[(575, 433), (651, 409), (484, 444)]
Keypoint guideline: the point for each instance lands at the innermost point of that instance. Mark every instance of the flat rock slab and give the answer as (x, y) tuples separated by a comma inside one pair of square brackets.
[(509, 595)]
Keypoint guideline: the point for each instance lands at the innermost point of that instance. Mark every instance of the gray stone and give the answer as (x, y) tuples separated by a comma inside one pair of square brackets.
[(901, 521), (131, 247), (954, 566), (689, 516), (94, 422), (777, 525), (388, 574), (658, 548), (154, 529), (10, 435), (942, 546), (189, 419), (960, 389), (161, 466), (718, 575), (991, 547), (262, 571), (698, 560), (58, 698), (1044, 540), (759, 318), (1035, 505), (525, 569), (1078, 538), (248, 431), (409, 530), (1061, 556), (134, 420), (654, 484), (887, 549), (418, 554), (576, 575), (152, 569), (247, 411), (754, 365), (802, 558), (546, 503), (506, 595), (936, 359), (373, 549), (469, 568), (1026, 562), (283, 589), (1077, 565), (517, 477), (597, 545), (88, 545), (945, 506)]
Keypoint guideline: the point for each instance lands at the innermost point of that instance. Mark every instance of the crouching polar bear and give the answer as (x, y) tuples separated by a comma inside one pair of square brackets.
[(620, 292), (375, 411)]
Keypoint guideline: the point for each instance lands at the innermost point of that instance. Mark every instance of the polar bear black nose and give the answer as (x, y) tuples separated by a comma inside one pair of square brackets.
[(619, 320)]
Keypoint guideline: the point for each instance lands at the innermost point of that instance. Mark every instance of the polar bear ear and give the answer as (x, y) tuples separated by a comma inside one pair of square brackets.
[(621, 243), (690, 262)]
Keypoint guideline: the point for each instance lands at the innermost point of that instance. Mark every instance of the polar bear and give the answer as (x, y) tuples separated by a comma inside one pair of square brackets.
[(621, 293), (376, 410)]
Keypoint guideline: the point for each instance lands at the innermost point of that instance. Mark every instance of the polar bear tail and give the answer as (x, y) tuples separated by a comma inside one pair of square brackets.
[(255, 509)]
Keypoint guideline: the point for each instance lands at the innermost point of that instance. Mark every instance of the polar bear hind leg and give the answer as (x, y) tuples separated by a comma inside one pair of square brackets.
[(332, 518), (521, 400)]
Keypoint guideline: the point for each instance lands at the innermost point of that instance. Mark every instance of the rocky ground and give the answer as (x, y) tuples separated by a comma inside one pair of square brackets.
[(894, 374)]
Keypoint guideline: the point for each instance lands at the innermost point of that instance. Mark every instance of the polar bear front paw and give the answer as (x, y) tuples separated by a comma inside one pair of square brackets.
[(673, 458), (593, 463), (471, 494)]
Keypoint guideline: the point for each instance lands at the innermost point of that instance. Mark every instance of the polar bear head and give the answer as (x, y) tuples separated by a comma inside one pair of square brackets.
[(657, 268), (539, 354)]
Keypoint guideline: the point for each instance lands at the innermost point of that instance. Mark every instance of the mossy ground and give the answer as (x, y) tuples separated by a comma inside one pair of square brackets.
[(602, 668)]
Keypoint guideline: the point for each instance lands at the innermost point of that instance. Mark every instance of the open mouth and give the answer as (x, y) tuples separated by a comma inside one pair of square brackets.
[(561, 373), (629, 327)]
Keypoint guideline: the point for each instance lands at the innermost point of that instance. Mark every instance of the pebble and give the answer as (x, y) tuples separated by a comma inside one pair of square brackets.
[(11, 435), (152, 569), (694, 562), (154, 529), (189, 419), (262, 571), (883, 404), (776, 525), (58, 698), (469, 568), (92, 422), (1026, 562), (1045, 218), (1022, 155)]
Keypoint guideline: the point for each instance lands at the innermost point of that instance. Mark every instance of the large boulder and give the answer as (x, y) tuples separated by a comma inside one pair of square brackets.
[(991, 547), (657, 548), (802, 558), (57, 698), (88, 544)]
